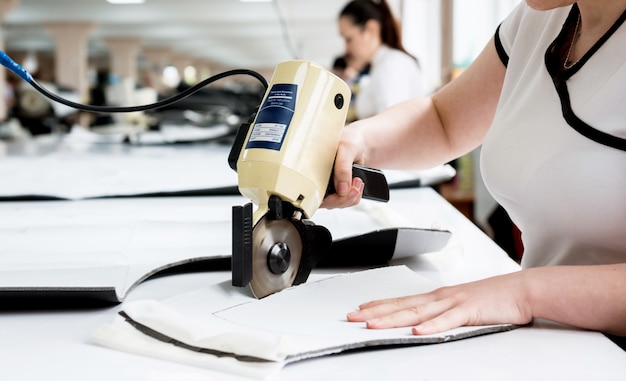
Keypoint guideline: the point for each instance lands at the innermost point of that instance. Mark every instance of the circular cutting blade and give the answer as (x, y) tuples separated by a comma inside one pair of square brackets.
[(270, 237)]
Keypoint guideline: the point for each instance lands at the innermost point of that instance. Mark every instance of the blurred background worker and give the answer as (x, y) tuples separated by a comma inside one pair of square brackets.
[(352, 76), (373, 39)]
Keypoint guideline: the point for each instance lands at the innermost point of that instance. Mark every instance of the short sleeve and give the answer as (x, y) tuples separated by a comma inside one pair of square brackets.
[(507, 32)]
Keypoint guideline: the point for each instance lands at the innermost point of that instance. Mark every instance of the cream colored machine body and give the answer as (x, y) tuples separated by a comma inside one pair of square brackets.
[(284, 165), (290, 149)]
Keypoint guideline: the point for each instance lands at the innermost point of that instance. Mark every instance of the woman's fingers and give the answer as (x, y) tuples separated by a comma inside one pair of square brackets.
[(494, 300), (400, 312), (452, 318), (348, 190), (352, 197)]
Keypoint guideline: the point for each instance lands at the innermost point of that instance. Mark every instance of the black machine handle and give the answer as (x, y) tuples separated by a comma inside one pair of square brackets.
[(376, 186), (240, 139)]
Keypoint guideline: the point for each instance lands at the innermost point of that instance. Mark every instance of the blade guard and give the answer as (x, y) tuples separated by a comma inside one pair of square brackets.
[(241, 258), (316, 241)]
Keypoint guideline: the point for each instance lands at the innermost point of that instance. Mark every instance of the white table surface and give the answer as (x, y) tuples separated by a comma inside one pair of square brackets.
[(55, 345), (83, 165)]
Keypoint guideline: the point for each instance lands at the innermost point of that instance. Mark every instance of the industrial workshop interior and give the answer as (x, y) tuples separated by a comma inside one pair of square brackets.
[(307, 190)]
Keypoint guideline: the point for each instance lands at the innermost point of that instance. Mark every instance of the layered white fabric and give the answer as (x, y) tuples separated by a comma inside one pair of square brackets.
[(224, 328)]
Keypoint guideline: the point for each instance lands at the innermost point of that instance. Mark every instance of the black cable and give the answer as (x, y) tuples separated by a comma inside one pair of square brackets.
[(163, 103), (7, 62)]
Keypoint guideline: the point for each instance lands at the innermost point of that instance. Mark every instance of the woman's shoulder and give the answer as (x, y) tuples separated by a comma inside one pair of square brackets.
[(390, 57), (527, 23), (385, 51)]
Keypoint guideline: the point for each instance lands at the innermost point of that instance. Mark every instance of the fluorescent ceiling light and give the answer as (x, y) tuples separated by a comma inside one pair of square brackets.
[(126, 1), (256, 1)]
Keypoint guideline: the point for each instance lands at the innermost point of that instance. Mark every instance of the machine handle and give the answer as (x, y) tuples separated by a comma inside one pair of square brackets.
[(376, 186), (240, 139)]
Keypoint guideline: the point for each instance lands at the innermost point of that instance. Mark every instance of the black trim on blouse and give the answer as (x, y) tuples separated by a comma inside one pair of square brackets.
[(500, 49), (554, 64)]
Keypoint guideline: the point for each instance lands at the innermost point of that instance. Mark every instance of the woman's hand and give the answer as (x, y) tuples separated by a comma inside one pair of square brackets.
[(496, 300), (348, 195), (351, 150)]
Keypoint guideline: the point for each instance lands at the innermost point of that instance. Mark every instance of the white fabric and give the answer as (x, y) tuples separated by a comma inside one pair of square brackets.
[(394, 77), (297, 323), (563, 190)]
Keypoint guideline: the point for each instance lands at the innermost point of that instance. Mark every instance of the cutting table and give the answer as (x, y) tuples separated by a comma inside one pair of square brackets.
[(55, 344)]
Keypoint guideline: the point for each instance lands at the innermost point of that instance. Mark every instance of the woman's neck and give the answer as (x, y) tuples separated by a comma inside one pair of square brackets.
[(600, 14), (596, 18)]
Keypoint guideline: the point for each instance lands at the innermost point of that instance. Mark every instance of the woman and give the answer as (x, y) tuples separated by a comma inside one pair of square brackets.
[(545, 98), (372, 38)]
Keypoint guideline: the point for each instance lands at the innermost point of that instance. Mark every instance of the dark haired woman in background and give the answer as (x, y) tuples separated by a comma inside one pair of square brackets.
[(372, 37)]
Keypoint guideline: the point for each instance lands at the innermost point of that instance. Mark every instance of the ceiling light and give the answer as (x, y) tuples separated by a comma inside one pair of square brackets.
[(256, 1), (126, 1)]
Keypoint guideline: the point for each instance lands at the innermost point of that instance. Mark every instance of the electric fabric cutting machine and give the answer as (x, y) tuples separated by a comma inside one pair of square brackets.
[(284, 161)]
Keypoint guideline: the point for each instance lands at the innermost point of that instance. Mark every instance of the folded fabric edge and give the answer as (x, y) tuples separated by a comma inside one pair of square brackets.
[(399, 342), (170, 340), (121, 335), (156, 319)]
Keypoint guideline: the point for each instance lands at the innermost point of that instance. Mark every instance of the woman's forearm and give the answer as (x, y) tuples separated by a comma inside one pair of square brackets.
[(425, 132), (408, 135), (590, 297)]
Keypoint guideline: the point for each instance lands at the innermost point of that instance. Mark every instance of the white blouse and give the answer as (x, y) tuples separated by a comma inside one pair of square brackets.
[(555, 156), (394, 77)]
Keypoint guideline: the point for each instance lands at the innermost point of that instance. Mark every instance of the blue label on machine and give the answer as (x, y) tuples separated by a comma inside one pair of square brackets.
[(274, 117)]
